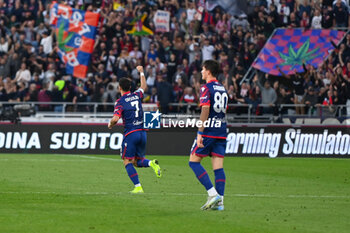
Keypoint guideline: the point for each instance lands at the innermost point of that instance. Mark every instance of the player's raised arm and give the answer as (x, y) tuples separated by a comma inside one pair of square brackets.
[(142, 78)]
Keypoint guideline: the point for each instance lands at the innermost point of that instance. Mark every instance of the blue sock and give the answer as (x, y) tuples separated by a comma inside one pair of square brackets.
[(201, 174), (132, 173), (220, 180), (142, 163)]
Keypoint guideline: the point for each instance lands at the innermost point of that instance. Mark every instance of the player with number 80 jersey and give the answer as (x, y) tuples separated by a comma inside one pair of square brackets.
[(211, 139), (213, 94)]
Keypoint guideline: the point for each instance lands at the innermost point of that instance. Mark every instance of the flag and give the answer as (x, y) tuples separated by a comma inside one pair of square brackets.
[(75, 32), (138, 28), (290, 48)]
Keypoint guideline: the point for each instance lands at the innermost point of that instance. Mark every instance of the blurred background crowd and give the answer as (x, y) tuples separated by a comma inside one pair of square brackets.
[(30, 69)]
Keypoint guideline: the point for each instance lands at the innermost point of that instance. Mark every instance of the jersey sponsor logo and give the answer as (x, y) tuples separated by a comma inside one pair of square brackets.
[(137, 122), (151, 120)]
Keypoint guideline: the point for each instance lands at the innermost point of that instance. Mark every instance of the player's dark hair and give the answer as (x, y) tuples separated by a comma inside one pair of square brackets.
[(125, 84), (213, 67)]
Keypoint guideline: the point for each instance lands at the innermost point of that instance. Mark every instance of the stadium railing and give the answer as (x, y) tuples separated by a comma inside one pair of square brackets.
[(236, 113)]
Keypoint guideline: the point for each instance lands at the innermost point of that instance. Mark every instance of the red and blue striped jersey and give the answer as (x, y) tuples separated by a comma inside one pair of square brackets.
[(129, 108), (213, 94)]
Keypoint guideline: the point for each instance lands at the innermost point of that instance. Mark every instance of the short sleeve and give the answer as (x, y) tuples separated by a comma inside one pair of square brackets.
[(118, 109), (204, 96), (139, 92)]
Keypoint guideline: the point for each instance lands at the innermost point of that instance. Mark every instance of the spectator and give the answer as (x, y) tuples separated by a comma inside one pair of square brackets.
[(284, 11), (316, 22), (80, 97), (44, 96), (23, 75), (207, 50), (340, 14), (327, 17), (298, 83), (46, 42), (32, 94), (153, 97), (5, 66), (310, 100), (165, 95), (241, 22), (268, 95), (186, 100)]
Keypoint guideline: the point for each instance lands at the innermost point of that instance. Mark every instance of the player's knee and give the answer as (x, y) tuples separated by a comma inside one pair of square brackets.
[(127, 161)]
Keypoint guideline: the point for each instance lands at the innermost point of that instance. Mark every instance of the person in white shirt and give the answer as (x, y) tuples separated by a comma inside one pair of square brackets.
[(191, 11), (284, 11), (46, 42), (136, 53), (207, 50), (4, 44), (23, 75), (275, 2), (151, 69), (316, 22)]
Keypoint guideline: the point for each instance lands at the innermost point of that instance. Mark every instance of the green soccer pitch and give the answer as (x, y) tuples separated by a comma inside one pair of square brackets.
[(77, 193)]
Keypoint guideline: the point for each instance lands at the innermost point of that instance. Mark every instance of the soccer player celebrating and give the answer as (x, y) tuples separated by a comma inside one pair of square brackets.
[(211, 140), (129, 107)]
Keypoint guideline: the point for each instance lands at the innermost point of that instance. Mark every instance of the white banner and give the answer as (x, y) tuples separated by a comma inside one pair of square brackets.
[(161, 21)]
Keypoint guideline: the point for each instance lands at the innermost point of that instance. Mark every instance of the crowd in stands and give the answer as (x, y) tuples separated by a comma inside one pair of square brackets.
[(30, 69)]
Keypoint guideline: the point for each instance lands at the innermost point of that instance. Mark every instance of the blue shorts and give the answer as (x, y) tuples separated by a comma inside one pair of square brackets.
[(134, 145), (212, 147)]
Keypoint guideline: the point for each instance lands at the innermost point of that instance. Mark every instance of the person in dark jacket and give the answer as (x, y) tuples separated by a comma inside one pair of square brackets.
[(165, 95)]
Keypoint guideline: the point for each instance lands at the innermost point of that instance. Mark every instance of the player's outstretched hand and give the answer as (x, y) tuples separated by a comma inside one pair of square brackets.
[(139, 69)]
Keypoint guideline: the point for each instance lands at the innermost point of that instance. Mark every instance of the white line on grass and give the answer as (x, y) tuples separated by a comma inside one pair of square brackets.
[(90, 157), (181, 194), (86, 157), (47, 160)]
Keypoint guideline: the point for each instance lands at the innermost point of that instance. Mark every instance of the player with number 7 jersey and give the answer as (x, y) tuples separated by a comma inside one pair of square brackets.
[(211, 139), (129, 108)]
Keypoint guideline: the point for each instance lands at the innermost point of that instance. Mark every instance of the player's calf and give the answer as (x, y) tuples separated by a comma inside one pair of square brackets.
[(132, 173)]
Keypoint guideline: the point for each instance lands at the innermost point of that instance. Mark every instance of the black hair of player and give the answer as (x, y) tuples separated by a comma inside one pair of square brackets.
[(213, 67), (125, 84)]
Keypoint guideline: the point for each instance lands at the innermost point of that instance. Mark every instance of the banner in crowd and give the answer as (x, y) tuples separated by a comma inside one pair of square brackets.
[(75, 32), (138, 28), (283, 141), (161, 21), (290, 48)]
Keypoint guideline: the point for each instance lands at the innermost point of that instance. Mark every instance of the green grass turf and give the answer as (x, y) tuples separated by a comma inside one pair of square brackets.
[(69, 193)]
